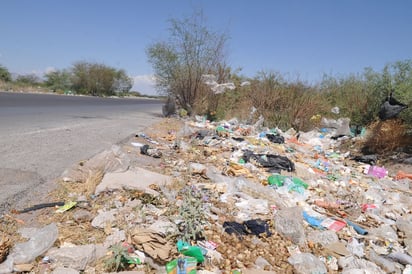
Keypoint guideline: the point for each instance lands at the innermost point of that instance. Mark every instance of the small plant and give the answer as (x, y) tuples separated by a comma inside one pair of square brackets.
[(119, 259), (192, 212)]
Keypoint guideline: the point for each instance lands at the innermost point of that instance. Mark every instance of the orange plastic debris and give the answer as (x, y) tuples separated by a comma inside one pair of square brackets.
[(326, 204), (402, 175)]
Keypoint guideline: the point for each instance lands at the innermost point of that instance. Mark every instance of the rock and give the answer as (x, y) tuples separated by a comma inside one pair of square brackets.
[(164, 227), (77, 257), (196, 168), (104, 217), (116, 237), (7, 266), (23, 267), (262, 263), (40, 241), (64, 270), (82, 216), (138, 179)]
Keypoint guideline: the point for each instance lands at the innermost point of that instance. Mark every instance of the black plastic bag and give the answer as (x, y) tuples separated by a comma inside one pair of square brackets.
[(275, 163), (390, 108), (367, 159), (275, 138)]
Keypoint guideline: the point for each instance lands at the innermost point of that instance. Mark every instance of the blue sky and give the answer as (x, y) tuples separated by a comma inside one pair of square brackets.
[(305, 38)]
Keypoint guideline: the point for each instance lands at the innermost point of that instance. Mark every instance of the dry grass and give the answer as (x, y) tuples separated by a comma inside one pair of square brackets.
[(5, 244), (385, 136)]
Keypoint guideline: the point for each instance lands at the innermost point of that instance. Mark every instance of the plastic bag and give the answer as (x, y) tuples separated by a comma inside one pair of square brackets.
[(390, 108), (307, 263), (385, 264), (289, 223), (355, 247), (275, 163)]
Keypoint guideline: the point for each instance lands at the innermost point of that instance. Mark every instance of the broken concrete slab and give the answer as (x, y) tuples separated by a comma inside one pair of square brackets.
[(138, 179), (40, 241), (77, 257), (104, 217)]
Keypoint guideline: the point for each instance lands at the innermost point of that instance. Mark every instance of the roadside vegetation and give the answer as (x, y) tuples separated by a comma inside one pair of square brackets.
[(194, 50)]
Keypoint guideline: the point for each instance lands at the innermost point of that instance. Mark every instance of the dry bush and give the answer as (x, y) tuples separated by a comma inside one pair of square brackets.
[(286, 105), (385, 136)]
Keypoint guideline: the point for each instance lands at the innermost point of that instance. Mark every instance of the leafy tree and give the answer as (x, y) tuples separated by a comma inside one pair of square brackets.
[(4, 74), (58, 80), (98, 79), (28, 79), (122, 82), (191, 51)]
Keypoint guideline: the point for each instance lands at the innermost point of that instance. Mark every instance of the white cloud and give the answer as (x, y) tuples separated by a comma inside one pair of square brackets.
[(145, 84), (50, 69)]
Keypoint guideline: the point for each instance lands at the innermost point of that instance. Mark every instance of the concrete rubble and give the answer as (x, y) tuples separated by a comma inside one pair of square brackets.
[(227, 197)]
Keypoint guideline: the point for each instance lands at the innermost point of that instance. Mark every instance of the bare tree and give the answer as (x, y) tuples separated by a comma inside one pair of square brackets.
[(191, 51)]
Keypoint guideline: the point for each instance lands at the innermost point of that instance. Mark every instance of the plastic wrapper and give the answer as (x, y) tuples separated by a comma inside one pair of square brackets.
[(289, 223), (307, 263)]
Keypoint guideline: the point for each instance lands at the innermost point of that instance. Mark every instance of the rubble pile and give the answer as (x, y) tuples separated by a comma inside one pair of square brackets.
[(191, 196)]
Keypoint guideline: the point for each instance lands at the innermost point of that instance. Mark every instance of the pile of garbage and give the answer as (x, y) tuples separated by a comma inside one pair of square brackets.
[(193, 196)]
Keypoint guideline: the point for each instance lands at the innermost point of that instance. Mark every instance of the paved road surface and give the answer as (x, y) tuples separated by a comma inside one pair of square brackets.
[(43, 134)]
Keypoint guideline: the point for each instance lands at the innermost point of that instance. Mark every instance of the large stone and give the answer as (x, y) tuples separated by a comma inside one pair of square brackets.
[(104, 217), (138, 179), (115, 238), (40, 241), (77, 257)]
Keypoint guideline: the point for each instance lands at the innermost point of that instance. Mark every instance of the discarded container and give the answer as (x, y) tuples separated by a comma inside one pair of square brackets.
[(191, 251), (357, 228), (315, 222), (379, 172), (384, 263), (280, 180), (333, 224), (182, 265)]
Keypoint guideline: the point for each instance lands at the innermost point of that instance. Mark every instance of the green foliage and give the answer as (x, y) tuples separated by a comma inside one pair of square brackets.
[(28, 79), (59, 80), (5, 75), (193, 214), (99, 80), (285, 104), (291, 103), (119, 259), (179, 63)]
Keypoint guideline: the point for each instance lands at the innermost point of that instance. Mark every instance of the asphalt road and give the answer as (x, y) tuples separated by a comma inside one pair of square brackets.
[(41, 135)]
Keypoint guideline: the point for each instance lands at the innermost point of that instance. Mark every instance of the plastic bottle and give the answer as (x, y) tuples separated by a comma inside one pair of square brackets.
[(386, 264)]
